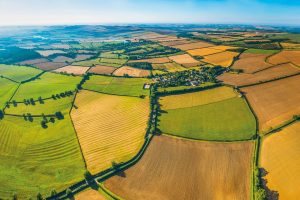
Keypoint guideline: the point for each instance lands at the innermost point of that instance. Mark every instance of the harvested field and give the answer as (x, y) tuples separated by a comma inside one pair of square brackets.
[(195, 115), (272, 73), (285, 56), (223, 59), (131, 71), (50, 157), (290, 45), (7, 90), (101, 69), (152, 60), (110, 128), (204, 51), (63, 59), (194, 45), (280, 158), (18, 73), (90, 195), (176, 42), (34, 61), (174, 169), (50, 52), (274, 102), (77, 70), (117, 85), (186, 60), (170, 67), (49, 65), (251, 62)]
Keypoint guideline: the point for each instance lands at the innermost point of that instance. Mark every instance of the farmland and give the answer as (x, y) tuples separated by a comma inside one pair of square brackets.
[(18, 73), (101, 69), (170, 166), (274, 160), (77, 70), (231, 113), (275, 102), (118, 86), (285, 56), (107, 125), (7, 89), (185, 60), (132, 72), (224, 59)]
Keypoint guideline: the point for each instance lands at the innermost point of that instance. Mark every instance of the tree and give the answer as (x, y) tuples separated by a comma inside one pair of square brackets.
[(1, 114), (69, 193), (88, 176), (39, 196), (53, 193), (44, 124), (59, 115), (15, 197)]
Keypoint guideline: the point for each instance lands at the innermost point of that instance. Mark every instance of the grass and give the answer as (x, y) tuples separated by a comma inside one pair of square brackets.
[(18, 73), (49, 107), (110, 128), (47, 85), (169, 89), (102, 61), (35, 160), (227, 120), (261, 51), (117, 85), (7, 89)]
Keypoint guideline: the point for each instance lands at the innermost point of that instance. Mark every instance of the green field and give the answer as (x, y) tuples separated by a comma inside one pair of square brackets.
[(48, 107), (35, 160), (261, 51), (177, 88), (225, 120), (112, 55), (117, 85), (18, 73), (47, 85), (7, 89), (102, 61)]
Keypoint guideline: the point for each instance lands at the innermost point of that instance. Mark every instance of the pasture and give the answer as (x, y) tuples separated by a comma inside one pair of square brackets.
[(280, 158), (285, 56), (173, 168), (7, 89), (117, 85), (153, 60), (208, 115), (50, 157), (271, 73), (76, 70), (110, 128), (186, 60), (223, 59), (47, 85), (18, 73), (274, 102), (131, 71)]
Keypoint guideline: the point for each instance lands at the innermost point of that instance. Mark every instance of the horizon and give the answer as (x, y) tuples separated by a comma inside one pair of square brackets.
[(93, 12)]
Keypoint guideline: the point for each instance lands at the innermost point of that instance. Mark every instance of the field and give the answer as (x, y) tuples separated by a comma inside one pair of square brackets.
[(196, 116), (7, 89), (77, 70), (274, 102), (285, 56), (117, 85), (180, 169), (223, 59), (176, 42), (194, 45), (280, 158), (170, 67), (101, 69), (110, 128), (101, 61), (50, 157), (47, 85), (50, 52), (18, 73), (271, 73), (131, 71), (153, 60), (185, 60), (90, 195), (251, 62), (209, 50), (48, 107), (290, 45), (34, 61), (49, 65)]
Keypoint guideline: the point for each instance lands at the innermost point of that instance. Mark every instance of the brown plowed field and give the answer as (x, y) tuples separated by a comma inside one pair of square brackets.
[(110, 128), (186, 60), (272, 73), (195, 45), (130, 71), (152, 60), (274, 102), (101, 69), (250, 62), (49, 65), (280, 158), (173, 168), (77, 70), (285, 56)]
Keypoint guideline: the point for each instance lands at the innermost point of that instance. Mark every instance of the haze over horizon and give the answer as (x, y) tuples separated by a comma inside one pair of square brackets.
[(65, 12)]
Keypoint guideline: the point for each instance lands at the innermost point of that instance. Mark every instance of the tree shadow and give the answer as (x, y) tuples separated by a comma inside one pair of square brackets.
[(271, 194), (121, 174)]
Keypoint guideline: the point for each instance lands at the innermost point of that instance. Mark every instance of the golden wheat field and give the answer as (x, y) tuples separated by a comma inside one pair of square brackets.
[(174, 168), (185, 59), (131, 71), (110, 128), (251, 63), (223, 59), (285, 56), (280, 158)]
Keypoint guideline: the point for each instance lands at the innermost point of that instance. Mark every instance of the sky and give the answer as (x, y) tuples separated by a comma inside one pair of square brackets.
[(63, 12)]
